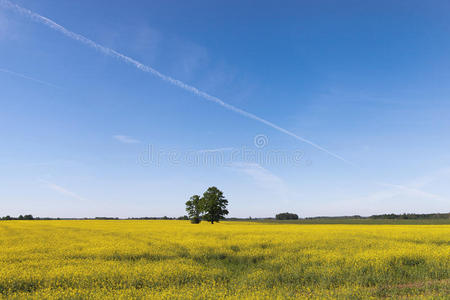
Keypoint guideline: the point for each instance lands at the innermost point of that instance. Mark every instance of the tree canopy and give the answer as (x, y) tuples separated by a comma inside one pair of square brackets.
[(194, 208), (211, 207), (286, 216)]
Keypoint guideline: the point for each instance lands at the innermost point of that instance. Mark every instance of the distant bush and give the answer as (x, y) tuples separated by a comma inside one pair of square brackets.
[(286, 216)]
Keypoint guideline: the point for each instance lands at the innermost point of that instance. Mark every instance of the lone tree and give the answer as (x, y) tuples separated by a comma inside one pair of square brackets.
[(194, 208), (214, 205), (211, 207)]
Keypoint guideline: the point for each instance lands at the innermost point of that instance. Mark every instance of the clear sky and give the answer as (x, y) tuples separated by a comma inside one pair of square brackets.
[(365, 83)]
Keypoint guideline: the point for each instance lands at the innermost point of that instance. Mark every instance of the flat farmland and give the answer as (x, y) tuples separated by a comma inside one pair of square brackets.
[(80, 259)]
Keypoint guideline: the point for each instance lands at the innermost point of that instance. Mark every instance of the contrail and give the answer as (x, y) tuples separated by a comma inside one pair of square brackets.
[(38, 18), (27, 77), (62, 190)]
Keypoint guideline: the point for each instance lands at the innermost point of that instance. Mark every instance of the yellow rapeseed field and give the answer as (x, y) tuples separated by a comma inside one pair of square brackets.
[(175, 259)]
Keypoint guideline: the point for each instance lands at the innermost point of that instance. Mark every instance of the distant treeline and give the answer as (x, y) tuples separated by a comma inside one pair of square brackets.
[(405, 216), (412, 216), (392, 216), (21, 217), (30, 217), (281, 216)]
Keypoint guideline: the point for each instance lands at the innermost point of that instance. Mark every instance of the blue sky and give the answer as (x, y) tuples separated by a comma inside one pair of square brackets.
[(84, 133)]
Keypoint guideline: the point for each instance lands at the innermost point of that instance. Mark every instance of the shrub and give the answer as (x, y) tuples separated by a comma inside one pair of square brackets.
[(286, 216), (195, 220)]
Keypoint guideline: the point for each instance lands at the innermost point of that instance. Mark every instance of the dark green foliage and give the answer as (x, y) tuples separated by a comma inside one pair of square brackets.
[(194, 208), (211, 207), (196, 220), (214, 205), (21, 217), (286, 216)]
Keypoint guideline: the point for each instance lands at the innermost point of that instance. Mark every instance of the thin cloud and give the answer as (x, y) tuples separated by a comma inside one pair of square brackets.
[(441, 174), (75, 36), (392, 198), (28, 78), (259, 174), (266, 183), (62, 190), (416, 186), (126, 139), (215, 150), (398, 189)]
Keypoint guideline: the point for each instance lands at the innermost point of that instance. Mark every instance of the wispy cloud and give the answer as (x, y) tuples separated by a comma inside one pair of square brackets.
[(62, 190), (28, 78), (415, 187), (226, 149), (403, 190), (3, 26), (259, 174), (266, 182), (75, 36), (416, 195), (126, 139), (441, 174)]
